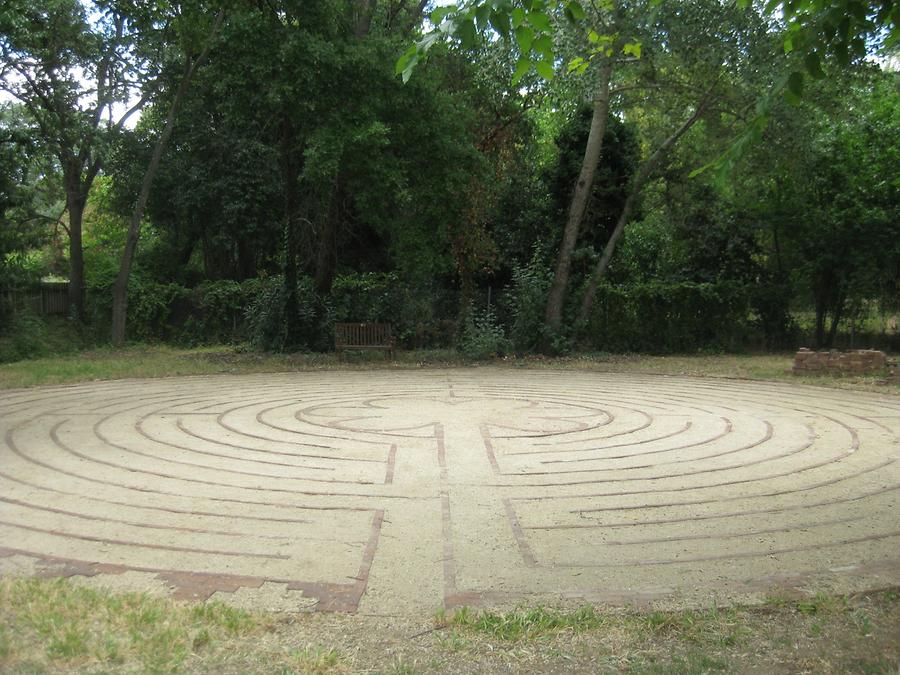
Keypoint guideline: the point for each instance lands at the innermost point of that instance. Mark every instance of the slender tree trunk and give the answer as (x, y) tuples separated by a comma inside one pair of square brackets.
[(637, 184), (327, 244), (75, 206), (246, 260), (821, 311), (120, 288), (289, 177), (580, 199), (366, 12), (837, 313)]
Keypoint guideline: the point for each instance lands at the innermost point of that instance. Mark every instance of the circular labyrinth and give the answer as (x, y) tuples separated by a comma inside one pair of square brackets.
[(404, 491)]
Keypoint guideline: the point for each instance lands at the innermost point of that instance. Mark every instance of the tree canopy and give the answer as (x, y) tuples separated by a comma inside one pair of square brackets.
[(536, 182)]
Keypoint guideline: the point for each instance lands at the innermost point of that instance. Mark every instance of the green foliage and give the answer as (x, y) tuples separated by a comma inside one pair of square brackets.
[(266, 325), (482, 336), (367, 297), (26, 335), (673, 317), (24, 338), (526, 301)]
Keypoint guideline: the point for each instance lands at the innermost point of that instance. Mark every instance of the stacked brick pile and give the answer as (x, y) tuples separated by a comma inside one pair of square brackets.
[(856, 362)]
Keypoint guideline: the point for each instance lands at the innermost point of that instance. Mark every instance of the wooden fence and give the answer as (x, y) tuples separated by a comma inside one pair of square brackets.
[(50, 297)]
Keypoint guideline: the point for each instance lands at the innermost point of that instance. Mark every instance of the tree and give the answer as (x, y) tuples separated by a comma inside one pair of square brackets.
[(70, 70), (822, 184), (120, 288), (622, 49), (29, 192)]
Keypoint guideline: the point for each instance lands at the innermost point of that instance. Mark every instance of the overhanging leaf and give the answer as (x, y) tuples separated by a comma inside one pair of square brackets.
[(540, 21), (523, 65), (545, 69), (576, 11), (500, 23), (813, 65), (518, 17), (544, 46), (795, 84), (466, 33), (525, 38), (633, 48)]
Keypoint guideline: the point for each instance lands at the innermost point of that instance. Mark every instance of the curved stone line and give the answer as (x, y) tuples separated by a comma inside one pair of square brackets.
[(139, 427), (134, 523), (306, 493), (260, 421), (734, 556), (276, 452), (298, 415), (734, 535), (768, 401), (592, 396), (100, 435), (782, 388), (677, 432), (220, 417), (729, 467), (135, 544), (180, 426), (647, 422), (532, 453), (711, 516), (853, 448), (775, 493), (201, 585), (65, 394), (146, 507), (545, 434)]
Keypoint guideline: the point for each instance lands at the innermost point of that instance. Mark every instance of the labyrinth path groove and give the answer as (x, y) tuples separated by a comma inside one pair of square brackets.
[(404, 491)]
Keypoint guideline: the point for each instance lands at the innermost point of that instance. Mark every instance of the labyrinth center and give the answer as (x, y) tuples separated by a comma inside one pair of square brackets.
[(402, 491)]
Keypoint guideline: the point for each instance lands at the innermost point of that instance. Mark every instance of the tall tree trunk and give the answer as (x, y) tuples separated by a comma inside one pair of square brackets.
[(120, 288), (327, 240), (289, 177), (246, 259), (837, 313), (75, 202), (366, 12), (580, 199), (821, 311), (637, 184)]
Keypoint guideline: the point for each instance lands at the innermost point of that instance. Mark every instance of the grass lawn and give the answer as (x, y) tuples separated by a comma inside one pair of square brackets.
[(162, 361), (62, 626)]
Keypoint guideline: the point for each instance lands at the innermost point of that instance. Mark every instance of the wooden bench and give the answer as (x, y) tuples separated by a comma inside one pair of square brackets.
[(363, 336)]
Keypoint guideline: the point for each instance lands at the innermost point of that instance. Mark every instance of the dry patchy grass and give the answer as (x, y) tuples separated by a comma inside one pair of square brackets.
[(59, 626), (163, 361)]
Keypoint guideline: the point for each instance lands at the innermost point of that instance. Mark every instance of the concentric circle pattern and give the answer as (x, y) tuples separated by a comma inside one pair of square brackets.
[(405, 490)]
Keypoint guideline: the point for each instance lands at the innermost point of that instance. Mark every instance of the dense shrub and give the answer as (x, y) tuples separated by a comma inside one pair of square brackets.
[(266, 326), (482, 336), (151, 307), (215, 312), (369, 297), (673, 317), (23, 337), (526, 300)]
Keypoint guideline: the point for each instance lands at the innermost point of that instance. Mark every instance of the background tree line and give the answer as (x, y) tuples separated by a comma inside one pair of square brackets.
[(532, 185)]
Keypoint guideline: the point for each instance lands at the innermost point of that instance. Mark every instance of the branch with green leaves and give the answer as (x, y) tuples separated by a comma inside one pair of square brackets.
[(531, 24)]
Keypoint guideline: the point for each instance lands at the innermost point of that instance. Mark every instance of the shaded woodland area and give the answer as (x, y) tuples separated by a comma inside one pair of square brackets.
[(255, 172)]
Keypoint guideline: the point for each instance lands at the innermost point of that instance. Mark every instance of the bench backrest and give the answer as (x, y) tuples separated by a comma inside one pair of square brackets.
[(362, 334)]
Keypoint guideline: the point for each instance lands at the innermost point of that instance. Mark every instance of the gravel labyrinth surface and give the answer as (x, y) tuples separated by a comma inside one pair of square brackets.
[(404, 491)]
